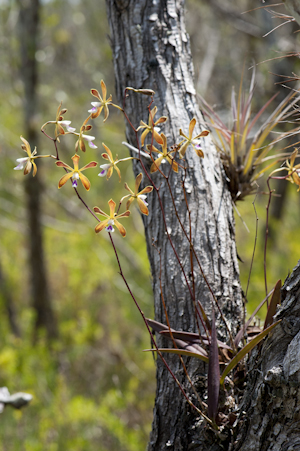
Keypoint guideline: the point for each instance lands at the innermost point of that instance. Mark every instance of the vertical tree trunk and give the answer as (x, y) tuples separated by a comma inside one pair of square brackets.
[(28, 28), (151, 50)]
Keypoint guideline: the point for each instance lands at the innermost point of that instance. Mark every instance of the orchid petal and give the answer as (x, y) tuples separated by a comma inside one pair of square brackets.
[(101, 225), (191, 127), (85, 181), (112, 207), (156, 164), (100, 212), (142, 206), (92, 164), (121, 228), (138, 182), (110, 157), (64, 179)]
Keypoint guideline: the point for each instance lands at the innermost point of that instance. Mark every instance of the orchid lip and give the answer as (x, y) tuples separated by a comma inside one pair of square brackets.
[(88, 137), (92, 110), (109, 229), (74, 183)]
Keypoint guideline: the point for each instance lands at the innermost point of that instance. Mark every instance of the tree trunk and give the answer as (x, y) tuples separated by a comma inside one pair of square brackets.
[(151, 50), (28, 28), (270, 411)]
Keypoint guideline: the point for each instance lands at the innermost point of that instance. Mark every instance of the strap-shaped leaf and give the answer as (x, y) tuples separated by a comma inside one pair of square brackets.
[(213, 384), (241, 332), (246, 349), (275, 300), (193, 338), (180, 352)]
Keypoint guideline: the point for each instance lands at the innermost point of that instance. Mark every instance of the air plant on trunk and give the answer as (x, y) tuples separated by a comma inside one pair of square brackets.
[(245, 147)]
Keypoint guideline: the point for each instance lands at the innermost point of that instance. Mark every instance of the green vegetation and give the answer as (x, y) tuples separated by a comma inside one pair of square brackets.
[(93, 388)]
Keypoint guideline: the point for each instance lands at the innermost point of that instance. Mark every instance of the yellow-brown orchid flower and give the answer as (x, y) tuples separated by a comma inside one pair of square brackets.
[(151, 127), (60, 122), (139, 196), (112, 219), (108, 168), (75, 173), (163, 155), (83, 137), (293, 171), (27, 163), (98, 106), (195, 142)]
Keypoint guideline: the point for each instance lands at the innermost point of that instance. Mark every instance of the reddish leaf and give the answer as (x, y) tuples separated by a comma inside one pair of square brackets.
[(275, 300), (213, 372)]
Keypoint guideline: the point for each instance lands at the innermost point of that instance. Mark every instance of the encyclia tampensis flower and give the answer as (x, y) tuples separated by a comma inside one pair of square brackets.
[(195, 142), (60, 123), (102, 104), (111, 219), (27, 163), (75, 173), (164, 155), (139, 196), (293, 171), (108, 168), (152, 127)]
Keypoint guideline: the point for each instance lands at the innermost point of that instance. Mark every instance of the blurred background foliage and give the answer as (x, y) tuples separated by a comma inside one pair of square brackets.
[(93, 387)]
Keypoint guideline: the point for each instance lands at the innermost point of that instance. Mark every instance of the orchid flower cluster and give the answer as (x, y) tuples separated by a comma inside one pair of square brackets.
[(74, 173), (159, 152)]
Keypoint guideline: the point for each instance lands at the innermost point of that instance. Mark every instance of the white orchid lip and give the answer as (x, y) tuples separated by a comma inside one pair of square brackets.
[(109, 227), (22, 162), (88, 138), (104, 168), (67, 125), (143, 198)]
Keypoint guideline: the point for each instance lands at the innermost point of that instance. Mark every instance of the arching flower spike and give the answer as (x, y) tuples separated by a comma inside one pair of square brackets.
[(75, 173), (112, 219)]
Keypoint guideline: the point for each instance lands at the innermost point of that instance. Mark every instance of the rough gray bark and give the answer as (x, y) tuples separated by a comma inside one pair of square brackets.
[(28, 29), (151, 50), (270, 411)]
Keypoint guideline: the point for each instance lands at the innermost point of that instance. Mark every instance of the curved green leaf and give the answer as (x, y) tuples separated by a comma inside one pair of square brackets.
[(246, 349)]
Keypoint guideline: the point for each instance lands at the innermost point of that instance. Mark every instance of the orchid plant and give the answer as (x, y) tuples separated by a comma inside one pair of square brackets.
[(240, 159)]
